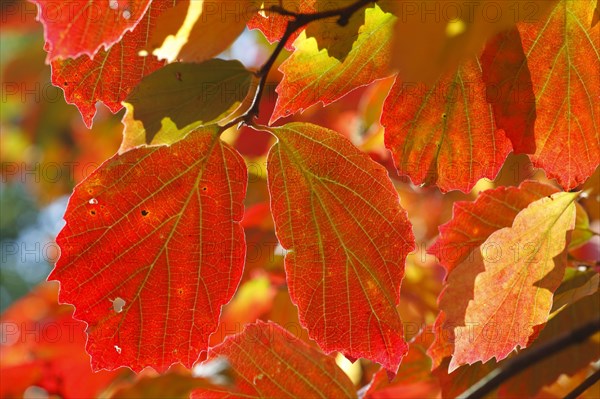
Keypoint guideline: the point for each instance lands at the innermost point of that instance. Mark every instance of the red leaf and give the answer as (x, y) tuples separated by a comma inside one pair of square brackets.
[(77, 27), (113, 73), (273, 25), (338, 215), (473, 222), (152, 249), (269, 362), (563, 54), (509, 89), (311, 76), (444, 134)]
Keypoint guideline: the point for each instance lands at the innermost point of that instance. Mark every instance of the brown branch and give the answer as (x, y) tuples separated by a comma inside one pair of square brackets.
[(298, 21), (517, 364), (581, 388)]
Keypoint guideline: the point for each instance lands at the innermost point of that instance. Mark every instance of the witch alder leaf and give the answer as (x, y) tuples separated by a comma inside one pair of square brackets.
[(473, 222), (76, 27), (273, 25), (523, 266), (338, 215), (509, 89), (269, 362), (433, 37), (151, 250), (111, 75), (332, 36), (563, 52), (196, 31), (187, 93), (444, 134), (311, 76), (459, 243)]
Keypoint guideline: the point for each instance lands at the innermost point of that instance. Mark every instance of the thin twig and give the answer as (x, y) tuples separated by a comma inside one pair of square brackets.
[(581, 388), (517, 364), (298, 21)]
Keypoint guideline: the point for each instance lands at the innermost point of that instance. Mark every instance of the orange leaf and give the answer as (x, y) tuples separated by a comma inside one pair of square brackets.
[(523, 266), (563, 52), (76, 27), (111, 75), (311, 76), (338, 215), (444, 134), (269, 362)]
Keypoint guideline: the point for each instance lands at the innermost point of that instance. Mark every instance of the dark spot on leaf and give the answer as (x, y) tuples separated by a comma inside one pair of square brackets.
[(93, 212), (180, 291), (178, 76), (66, 83), (145, 212), (204, 188), (443, 116)]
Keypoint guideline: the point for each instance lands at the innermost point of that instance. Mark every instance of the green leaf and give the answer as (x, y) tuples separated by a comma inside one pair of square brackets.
[(189, 94)]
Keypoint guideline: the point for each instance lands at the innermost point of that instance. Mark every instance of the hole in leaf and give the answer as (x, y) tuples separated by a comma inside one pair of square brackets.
[(145, 212), (93, 201), (118, 304), (118, 349)]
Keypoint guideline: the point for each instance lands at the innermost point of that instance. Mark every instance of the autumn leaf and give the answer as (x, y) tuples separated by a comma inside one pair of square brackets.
[(563, 52), (524, 264), (444, 134), (188, 94), (195, 31), (311, 76), (273, 25), (81, 27), (152, 249), (512, 100), (473, 222), (456, 247), (433, 37), (330, 35), (269, 362), (111, 75), (337, 214)]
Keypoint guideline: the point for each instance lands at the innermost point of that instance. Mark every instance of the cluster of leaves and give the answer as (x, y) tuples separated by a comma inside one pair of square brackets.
[(155, 239)]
